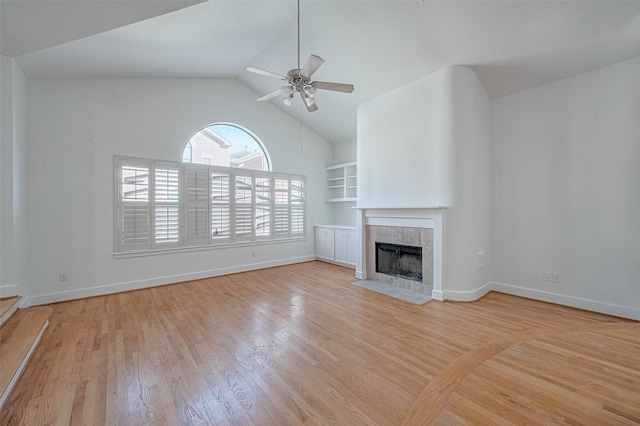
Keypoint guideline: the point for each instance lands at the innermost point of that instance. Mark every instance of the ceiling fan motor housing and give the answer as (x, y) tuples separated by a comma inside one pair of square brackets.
[(297, 80)]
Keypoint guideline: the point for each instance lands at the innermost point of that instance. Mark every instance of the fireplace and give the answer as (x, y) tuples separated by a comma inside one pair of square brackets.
[(415, 230), (399, 261), (400, 256)]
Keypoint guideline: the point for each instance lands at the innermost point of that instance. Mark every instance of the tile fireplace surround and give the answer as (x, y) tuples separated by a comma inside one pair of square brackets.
[(406, 236), (418, 227)]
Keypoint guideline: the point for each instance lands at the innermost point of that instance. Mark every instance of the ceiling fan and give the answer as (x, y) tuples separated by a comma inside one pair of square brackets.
[(299, 80)]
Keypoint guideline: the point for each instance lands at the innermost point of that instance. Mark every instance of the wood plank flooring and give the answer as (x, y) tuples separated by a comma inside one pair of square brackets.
[(300, 345)]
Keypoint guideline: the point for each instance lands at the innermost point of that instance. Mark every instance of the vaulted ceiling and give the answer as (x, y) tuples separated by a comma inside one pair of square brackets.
[(376, 45)]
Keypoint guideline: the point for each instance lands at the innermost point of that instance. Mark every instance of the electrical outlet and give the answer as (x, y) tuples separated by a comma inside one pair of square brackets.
[(253, 253), (480, 260), (547, 276), (62, 276), (556, 278)]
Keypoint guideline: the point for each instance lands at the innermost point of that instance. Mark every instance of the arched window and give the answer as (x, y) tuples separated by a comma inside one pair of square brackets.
[(227, 145), (223, 192), (187, 155)]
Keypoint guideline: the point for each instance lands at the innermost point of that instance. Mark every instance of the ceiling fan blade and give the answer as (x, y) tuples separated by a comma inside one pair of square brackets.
[(311, 108), (271, 95), (336, 87), (313, 63), (264, 72)]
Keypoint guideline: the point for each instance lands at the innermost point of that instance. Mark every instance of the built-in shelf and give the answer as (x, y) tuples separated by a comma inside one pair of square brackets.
[(341, 182)]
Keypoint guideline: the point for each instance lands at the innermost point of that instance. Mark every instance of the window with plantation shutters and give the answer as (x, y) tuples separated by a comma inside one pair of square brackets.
[(297, 206), (243, 211), (262, 205), (220, 207), (133, 225), (281, 206), (196, 204), (169, 205), (166, 207)]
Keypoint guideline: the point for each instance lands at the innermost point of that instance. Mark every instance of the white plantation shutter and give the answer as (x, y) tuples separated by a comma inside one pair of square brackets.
[(166, 205), (243, 211), (134, 224), (281, 206), (220, 206), (262, 206), (135, 227), (196, 205), (161, 204), (297, 205)]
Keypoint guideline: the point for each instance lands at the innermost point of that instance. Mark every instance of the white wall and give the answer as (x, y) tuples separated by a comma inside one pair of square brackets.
[(428, 144), (345, 152), (404, 145), (76, 126), (566, 190), (12, 179), (468, 220)]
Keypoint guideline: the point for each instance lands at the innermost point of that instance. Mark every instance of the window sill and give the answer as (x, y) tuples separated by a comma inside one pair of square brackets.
[(157, 252)]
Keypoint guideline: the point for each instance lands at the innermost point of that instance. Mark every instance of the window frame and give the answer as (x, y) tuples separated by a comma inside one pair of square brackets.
[(250, 177)]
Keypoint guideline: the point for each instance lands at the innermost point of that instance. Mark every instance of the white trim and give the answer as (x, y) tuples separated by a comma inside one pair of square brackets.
[(466, 296), (18, 372), (401, 221), (576, 302), (102, 290), (437, 295), (341, 227), (8, 290)]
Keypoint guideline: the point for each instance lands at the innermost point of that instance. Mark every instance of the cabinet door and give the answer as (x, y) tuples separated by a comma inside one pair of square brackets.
[(329, 244), (351, 248), (324, 243), (341, 246), (319, 242)]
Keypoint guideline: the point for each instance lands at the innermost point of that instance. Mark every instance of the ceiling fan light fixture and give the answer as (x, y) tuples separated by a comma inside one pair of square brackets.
[(308, 100), (288, 99), (309, 91)]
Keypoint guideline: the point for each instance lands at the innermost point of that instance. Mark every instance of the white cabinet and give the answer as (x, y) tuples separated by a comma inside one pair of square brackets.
[(325, 244), (336, 244), (345, 247), (341, 182)]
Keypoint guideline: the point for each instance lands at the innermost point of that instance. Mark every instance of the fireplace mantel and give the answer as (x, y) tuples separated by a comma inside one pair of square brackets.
[(408, 217)]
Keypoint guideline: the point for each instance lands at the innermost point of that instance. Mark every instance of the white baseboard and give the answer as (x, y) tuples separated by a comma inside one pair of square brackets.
[(575, 302), (8, 290), (466, 296), (437, 295), (102, 290)]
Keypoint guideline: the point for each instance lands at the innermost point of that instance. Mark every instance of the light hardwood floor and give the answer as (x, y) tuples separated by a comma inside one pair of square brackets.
[(300, 345)]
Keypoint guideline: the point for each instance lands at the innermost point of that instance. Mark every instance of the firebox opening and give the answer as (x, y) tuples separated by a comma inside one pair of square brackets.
[(399, 261)]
